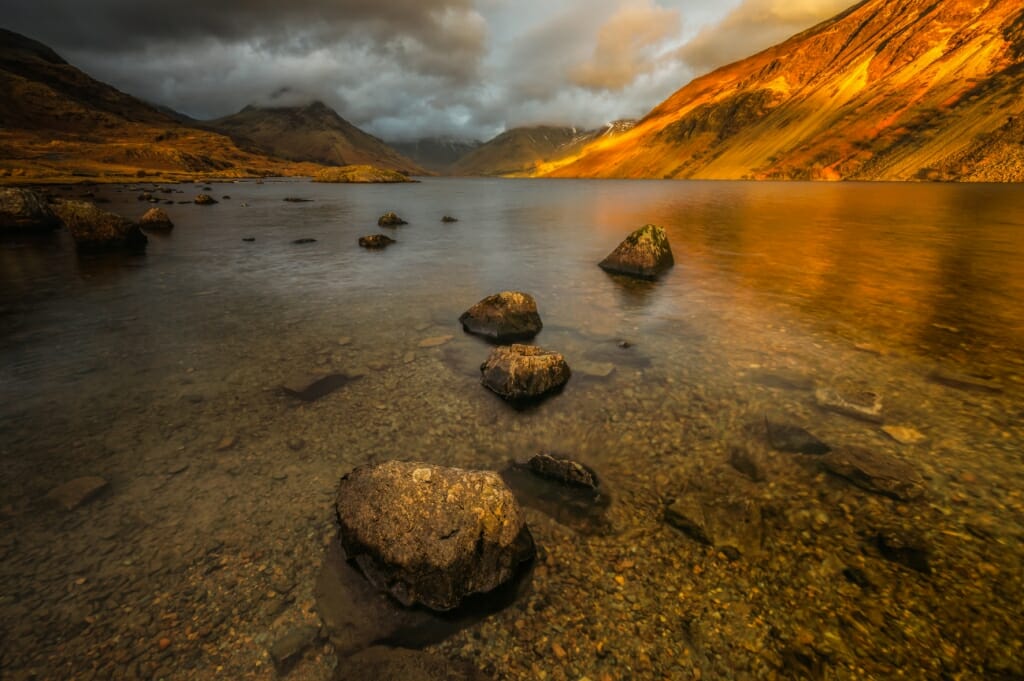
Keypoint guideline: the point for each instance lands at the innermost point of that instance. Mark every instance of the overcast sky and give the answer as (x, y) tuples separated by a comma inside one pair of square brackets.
[(403, 69)]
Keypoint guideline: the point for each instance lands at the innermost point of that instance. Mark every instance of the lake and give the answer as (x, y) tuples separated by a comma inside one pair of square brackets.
[(161, 373)]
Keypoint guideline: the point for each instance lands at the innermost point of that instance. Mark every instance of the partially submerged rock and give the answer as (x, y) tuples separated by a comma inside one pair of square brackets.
[(429, 534), (786, 437), (204, 200), (449, 218), (23, 210), (375, 241), (864, 405), (503, 317), (95, 229), (562, 469), (359, 174), (524, 372), (645, 254), (74, 493), (875, 472), (390, 219), (156, 218)]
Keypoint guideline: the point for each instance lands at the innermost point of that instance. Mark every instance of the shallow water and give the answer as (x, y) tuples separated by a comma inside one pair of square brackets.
[(161, 373)]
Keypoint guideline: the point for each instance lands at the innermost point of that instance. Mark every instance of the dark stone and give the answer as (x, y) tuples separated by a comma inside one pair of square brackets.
[(432, 535), (23, 210), (687, 514), (381, 663), (786, 437), (964, 381), (744, 461), (584, 509), (904, 547), (95, 229), (524, 372), (562, 469), (304, 240), (376, 241), (503, 317), (289, 647), (156, 218), (857, 576), (875, 472), (312, 387), (205, 200), (449, 218), (248, 238), (390, 219), (645, 254), (295, 199)]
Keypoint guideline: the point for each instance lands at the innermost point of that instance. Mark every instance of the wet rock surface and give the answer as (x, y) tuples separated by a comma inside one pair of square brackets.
[(562, 469), (390, 219), (645, 254), (876, 472), (523, 373), (429, 534), (204, 200), (376, 241), (24, 210), (864, 405), (503, 317), (97, 230), (156, 218)]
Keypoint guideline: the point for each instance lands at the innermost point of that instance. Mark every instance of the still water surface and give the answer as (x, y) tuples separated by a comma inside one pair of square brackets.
[(161, 374)]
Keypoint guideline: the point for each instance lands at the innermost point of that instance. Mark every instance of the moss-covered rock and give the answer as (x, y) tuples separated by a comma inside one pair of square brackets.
[(521, 373), (645, 254), (503, 317)]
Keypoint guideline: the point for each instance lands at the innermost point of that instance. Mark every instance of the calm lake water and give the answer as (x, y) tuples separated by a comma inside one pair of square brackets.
[(161, 373)]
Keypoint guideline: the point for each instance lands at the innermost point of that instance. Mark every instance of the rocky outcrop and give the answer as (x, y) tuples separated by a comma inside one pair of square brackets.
[(390, 219), (156, 218), (645, 254), (504, 317), (95, 229), (879, 473), (524, 372), (431, 535), (23, 210), (205, 200), (375, 241)]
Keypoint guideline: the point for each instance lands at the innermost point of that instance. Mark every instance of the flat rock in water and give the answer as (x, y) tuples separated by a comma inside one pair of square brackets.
[(76, 492), (732, 525), (95, 229), (786, 437), (744, 461), (687, 515), (401, 664), (432, 535), (304, 240), (434, 341), (376, 241), (594, 369), (905, 435), (562, 469), (204, 200), (645, 254), (289, 646), (964, 381), (864, 405), (312, 387), (784, 379), (23, 210), (875, 472), (524, 372), (390, 219), (503, 317)]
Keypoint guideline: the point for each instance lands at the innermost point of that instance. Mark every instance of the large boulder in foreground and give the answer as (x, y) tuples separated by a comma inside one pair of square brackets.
[(645, 254), (524, 372), (156, 218), (95, 229), (504, 317), (431, 535), (359, 174), (23, 210)]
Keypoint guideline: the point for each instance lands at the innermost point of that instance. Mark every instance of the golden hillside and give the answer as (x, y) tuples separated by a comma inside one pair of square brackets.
[(888, 90)]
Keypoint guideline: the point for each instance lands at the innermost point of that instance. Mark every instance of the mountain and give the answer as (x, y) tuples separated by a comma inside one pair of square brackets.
[(521, 151), (313, 133), (57, 123), (887, 90), (436, 153)]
